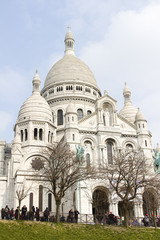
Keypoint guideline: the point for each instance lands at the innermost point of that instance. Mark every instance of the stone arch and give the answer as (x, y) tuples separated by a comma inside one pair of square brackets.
[(88, 138), (117, 145), (129, 141), (108, 101), (100, 200), (150, 202)]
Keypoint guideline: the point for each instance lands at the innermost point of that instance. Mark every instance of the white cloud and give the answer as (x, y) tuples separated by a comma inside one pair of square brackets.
[(129, 51)]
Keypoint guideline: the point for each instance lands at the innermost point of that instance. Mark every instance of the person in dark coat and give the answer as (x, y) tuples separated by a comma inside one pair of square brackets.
[(32, 212), (24, 212), (111, 218), (76, 215), (16, 213), (12, 214), (2, 213), (37, 214), (71, 215), (46, 214)]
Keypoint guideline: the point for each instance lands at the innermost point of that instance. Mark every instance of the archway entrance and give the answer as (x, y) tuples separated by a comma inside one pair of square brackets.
[(130, 209), (100, 201), (150, 202)]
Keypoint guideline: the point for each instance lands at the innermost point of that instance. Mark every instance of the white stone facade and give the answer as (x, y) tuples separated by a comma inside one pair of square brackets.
[(70, 105)]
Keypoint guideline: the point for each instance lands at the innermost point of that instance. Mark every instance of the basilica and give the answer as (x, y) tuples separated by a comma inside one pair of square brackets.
[(71, 105)]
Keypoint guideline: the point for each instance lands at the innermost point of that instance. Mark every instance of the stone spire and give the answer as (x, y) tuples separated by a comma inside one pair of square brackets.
[(69, 43), (36, 83)]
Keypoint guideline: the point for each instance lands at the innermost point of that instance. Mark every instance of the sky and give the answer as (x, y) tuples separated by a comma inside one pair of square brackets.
[(118, 39)]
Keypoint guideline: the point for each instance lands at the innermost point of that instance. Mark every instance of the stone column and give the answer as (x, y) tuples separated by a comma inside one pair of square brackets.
[(113, 207), (46, 133)]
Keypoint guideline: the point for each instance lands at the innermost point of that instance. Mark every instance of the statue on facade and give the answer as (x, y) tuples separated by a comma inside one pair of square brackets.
[(106, 117), (80, 152), (157, 162)]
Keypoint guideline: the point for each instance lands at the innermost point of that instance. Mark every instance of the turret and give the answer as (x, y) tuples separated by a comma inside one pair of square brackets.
[(144, 136), (71, 124)]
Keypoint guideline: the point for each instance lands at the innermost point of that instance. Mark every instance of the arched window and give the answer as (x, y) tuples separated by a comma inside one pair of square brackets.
[(129, 147), (60, 117), (88, 112), (51, 137), (110, 151), (35, 134), (40, 198), (145, 143), (88, 159), (21, 135), (80, 114), (30, 201), (49, 133), (50, 202), (40, 134), (26, 134)]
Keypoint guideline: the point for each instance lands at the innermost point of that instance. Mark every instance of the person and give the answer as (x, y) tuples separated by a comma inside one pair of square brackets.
[(46, 214), (16, 213), (37, 214), (76, 215), (111, 218), (2, 213), (71, 215), (12, 214), (7, 210), (146, 220), (24, 212), (99, 218), (62, 218), (106, 218), (32, 212)]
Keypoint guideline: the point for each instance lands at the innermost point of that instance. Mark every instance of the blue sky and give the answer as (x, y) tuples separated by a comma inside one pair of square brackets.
[(118, 39)]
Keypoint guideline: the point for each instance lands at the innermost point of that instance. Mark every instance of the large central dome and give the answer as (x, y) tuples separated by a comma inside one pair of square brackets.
[(70, 68)]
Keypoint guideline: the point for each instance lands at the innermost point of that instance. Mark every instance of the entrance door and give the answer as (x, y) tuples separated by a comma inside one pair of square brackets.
[(100, 202)]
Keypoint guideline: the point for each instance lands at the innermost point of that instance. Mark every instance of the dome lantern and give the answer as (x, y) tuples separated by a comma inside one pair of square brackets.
[(36, 83), (69, 43), (128, 111)]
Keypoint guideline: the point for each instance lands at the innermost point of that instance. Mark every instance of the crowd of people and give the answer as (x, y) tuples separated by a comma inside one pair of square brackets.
[(108, 218), (34, 214), (7, 213), (72, 217), (151, 220)]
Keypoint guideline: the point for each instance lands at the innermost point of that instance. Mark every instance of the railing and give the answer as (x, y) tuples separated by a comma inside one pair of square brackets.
[(86, 219)]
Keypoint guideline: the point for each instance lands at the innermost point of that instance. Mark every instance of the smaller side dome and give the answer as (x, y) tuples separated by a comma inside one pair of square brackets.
[(35, 107), (139, 116)]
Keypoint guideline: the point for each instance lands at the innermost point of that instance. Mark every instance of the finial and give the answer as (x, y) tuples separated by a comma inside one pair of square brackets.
[(69, 28), (36, 83)]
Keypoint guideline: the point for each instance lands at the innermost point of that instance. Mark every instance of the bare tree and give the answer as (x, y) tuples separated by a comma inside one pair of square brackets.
[(129, 173), (21, 193), (62, 168)]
